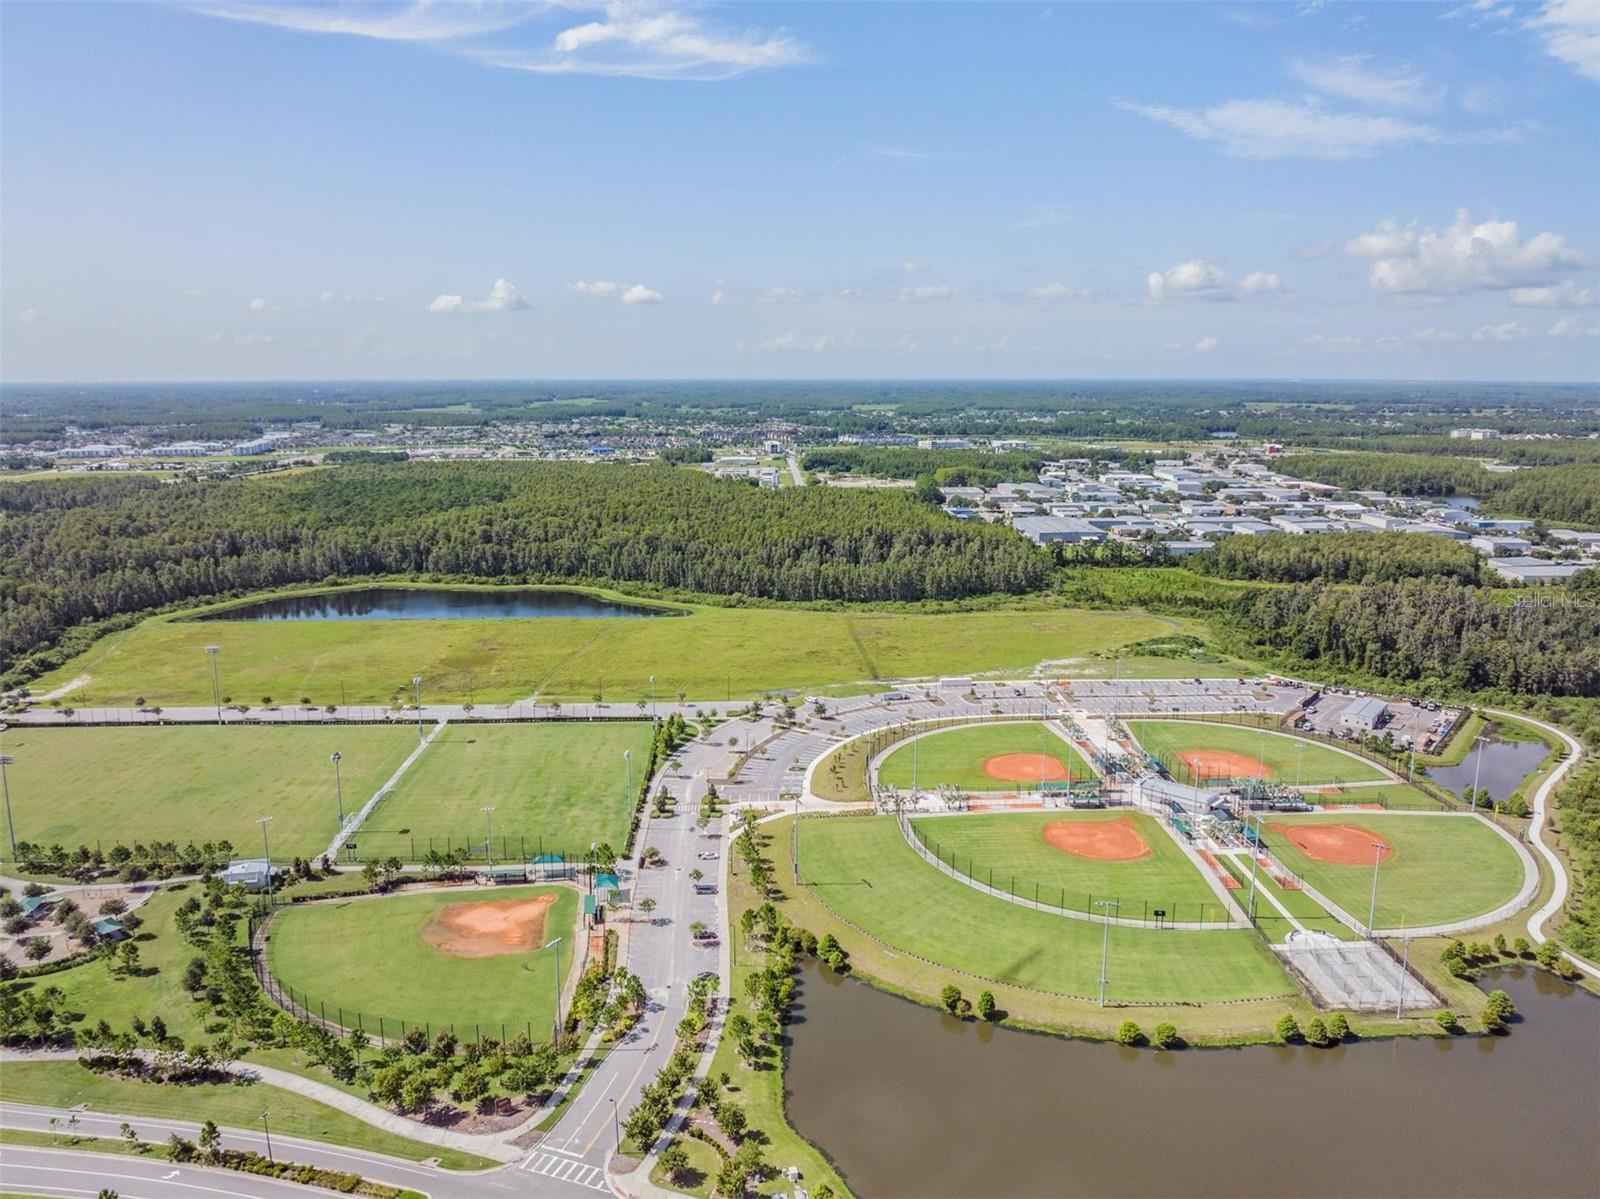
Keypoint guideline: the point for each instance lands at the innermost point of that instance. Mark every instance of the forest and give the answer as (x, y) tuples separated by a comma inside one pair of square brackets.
[(113, 547), (1339, 558), (1565, 494)]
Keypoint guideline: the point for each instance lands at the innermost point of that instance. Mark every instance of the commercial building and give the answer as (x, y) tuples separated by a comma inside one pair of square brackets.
[(1045, 530), (1364, 716)]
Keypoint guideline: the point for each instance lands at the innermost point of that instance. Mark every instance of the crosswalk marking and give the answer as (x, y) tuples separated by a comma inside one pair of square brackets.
[(564, 1169)]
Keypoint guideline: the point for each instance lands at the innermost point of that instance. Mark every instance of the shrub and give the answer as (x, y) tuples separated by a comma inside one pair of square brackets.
[(986, 1005), (1165, 1036), (1338, 1027), (1288, 1028), (1447, 1020), (1317, 1033), (1128, 1033), (950, 998), (1497, 1012)]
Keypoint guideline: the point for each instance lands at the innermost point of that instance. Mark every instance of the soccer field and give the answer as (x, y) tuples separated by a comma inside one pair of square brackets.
[(1010, 852), (1287, 759), (195, 783), (958, 757), (1441, 868), (380, 957), (862, 869), (554, 789)]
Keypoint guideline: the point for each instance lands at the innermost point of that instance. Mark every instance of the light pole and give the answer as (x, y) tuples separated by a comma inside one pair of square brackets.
[(556, 945), (652, 697), (1405, 970), (627, 761), (216, 686), (338, 785), (1372, 906), (5, 788), (1111, 905), (616, 1125), (1477, 768), (263, 821), (1255, 858), (267, 1129), (416, 681), (488, 833)]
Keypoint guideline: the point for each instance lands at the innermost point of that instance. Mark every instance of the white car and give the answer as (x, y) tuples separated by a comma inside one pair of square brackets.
[(708, 855)]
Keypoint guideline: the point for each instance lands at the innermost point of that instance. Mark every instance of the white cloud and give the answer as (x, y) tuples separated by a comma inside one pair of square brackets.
[(1571, 33), (640, 294), (924, 293), (258, 305), (597, 288), (649, 40), (914, 266), (718, 296), (1334, 343), (1431, 336), (28, 316), (1259, 283), (326, 297), (254, 339), (1206, 344), (502, 297), (1350, 77), (780, 295), (1463, 256), (1194, 279), (791, 341), (1507, 331), (1056, 293), (1285, 129), (1565, 294)]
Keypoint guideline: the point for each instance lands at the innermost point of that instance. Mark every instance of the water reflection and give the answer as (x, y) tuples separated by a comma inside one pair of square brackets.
[(1504, 765), (401, 603)]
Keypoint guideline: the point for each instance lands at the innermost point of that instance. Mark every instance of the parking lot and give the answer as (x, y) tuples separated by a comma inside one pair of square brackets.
[(1424, 722)]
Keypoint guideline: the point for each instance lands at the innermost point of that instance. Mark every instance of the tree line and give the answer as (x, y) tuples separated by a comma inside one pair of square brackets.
[(1339, 558), (128, 549)]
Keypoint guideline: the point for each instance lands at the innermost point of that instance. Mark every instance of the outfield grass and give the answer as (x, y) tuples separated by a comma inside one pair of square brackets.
[(1288, 759), (67, 1084), (1008, 851), (862, 869), (1394, 795), (194, 783), (554, 788), (712, 653), (956, 756), (367, 956), (1443, 868)]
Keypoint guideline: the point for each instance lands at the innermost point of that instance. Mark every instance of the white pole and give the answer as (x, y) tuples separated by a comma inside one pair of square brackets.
[(216, 687), (1372, 906), (1105, 946), (338, 785), (1477, 768), (416, 681), (263, 822), (5, 787)]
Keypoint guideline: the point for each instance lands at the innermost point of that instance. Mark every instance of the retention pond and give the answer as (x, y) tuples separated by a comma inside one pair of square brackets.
[(909, 1102), (436, 603)]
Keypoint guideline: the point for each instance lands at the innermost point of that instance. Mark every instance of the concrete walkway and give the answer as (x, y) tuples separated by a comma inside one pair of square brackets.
[(490, 1145)]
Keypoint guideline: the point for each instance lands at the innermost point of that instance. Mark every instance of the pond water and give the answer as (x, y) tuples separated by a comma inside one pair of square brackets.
[(404, 603), (908, 1101), (1504, 765)]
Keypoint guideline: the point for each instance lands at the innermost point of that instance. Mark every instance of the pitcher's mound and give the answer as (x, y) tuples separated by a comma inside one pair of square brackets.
[(489, 928), (1024, 768), (1097, 840), (1222, 764), (1340, 844)]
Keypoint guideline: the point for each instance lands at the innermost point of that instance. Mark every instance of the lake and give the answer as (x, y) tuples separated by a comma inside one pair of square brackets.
[(408, 603), (910, 1102), (1498, 766)]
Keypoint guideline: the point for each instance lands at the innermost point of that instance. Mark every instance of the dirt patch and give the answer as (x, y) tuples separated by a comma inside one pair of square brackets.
[(1024, 768), (488, 928), (1339, 844), (1097, 840), (1221, 764), (1229, 883)]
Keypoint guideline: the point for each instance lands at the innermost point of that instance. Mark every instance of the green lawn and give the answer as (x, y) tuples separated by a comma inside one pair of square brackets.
[(956, 756), (863, 870), (67, 1084), (1443, 868), (1288, 759), (1008, 851), (710, 654), (367, 956), (553, 787), (1400, 796), (1298, 904), (194, 783)]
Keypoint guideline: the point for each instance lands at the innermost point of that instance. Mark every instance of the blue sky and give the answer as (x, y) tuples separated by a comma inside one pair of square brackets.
[(231, 190)]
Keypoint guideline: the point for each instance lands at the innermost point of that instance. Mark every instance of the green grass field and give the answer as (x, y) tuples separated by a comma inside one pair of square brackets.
[(368, 956), (67, 1084), (862, 869), (194, 783), (1400, 796), (1443, 868), (956, 756), (1288, 759), (710, 654), (553, 787), (1298, 904), (1008, 851)]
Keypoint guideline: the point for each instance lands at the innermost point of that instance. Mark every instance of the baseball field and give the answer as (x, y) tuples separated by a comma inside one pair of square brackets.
[(553, 788), (1431, 869), (862, 869), (468, 957), (194, 783), (1070, 859), (986, 757), (1197, 752)]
